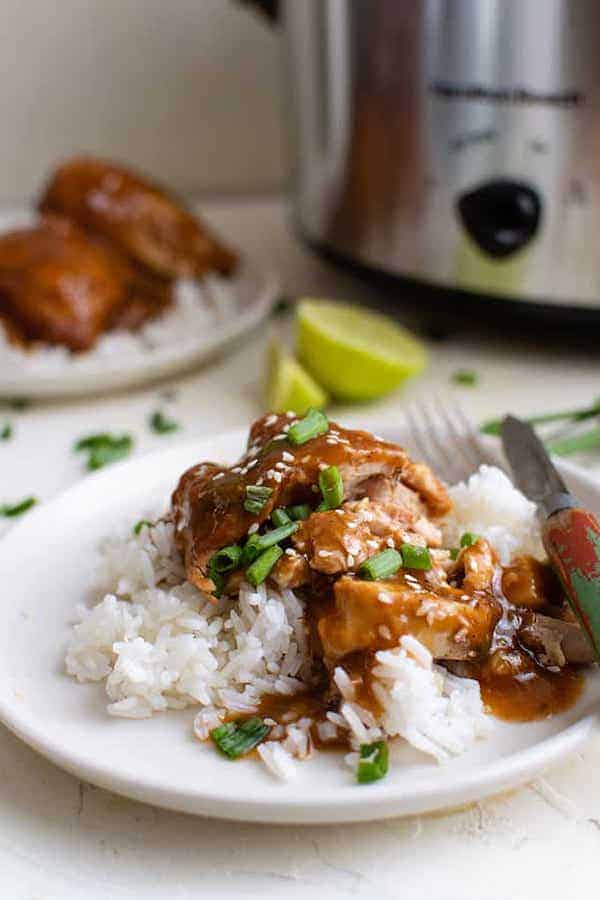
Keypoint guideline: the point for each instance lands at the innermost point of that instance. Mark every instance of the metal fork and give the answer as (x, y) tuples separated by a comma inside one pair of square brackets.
[(446, 439)]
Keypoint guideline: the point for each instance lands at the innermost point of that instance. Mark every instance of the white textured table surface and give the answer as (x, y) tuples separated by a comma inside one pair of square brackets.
[(62, 839)]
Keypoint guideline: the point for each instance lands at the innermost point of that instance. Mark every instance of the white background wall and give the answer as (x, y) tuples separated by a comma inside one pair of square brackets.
[(186, 89)]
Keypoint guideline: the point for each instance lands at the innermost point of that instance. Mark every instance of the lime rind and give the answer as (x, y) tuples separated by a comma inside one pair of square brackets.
[(357, 355), (289, 386)]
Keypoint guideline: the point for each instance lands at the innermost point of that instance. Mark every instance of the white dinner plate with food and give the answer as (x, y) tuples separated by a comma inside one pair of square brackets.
[(206, 317), (168, 644)]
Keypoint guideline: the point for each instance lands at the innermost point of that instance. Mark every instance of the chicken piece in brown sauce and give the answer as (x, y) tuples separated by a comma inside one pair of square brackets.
[(60, 286), (139, 217), (208, 503), (508, 627)]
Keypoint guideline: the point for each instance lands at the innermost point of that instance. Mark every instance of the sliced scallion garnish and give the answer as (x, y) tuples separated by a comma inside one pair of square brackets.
[(257, 543), (103, 449), (578, 443), (234, 739), (280, 517), (161, 425), (468, 539), (16, 509), (256, 498), (226, 559), (381, 565), (414, 557), (314, 424), (575, 415), (332, 487), (373, 762), (259, 570), (143, 523), (299, 512), (465, 377), (6, 431)]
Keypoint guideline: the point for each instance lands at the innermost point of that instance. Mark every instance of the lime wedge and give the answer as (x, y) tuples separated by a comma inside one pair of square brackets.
[(354, 353), (289, 387)]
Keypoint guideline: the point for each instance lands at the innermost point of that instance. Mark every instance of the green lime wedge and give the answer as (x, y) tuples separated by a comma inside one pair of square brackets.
[(289, 387), (354, 353)]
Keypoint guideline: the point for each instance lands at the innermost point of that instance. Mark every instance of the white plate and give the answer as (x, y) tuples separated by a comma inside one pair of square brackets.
[(45, 563), (250, 297)]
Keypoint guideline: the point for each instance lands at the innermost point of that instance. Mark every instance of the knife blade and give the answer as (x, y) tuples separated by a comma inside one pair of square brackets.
[(570, 534), (534, 472)]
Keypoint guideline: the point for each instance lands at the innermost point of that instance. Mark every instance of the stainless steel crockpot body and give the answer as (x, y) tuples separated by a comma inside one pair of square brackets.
[(456, 142)]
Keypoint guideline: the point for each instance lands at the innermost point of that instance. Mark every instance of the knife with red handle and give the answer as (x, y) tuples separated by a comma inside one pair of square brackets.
[(571, 535)]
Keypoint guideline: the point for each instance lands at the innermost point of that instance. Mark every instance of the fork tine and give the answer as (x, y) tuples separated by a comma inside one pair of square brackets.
[(446, 450), (462, 441), (473, 437), (420, 435)]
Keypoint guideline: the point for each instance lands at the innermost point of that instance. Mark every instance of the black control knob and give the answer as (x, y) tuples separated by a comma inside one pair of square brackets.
[(501, 216)]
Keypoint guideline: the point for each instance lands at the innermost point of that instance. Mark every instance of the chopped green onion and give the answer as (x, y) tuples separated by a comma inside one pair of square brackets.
[(280, 516), (579, 443), (332, 487), (226, 559), (6, 432), (454, 553), (322, 507), (415, 557), (373, 762), (257, 543), (314, 424), (494, 426), (17, 509), (234, 739), (262, 565), (299, 512), (256, 498), (161, 425), (104, 448), (465, 377), (143, 523), (382, 565), (468, 539)]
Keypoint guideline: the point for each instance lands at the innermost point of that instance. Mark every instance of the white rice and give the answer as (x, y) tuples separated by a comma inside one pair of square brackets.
[(158, 643), (198, 306), (488, 504)]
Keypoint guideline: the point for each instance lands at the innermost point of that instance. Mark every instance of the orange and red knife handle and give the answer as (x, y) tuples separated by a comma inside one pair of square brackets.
[(572, 540)]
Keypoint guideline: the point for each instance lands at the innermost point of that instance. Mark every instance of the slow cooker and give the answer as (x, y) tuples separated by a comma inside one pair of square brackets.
[(455, 143)]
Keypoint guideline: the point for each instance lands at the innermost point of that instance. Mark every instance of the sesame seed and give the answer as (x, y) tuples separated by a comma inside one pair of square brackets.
[(281, 466), (252, 464), (350, 560), (383, 597), (287, 456), (331, 440), (277, 476), (253, 528), (390, 542), (291, 414), (325, 553), (218, 475), (285, 429), (260, 482), (351, 525), (385, 632), (290, 552), (323, 466), (270, 420)]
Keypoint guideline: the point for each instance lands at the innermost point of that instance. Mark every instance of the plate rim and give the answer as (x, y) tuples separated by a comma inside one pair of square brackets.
[(372, 802)]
